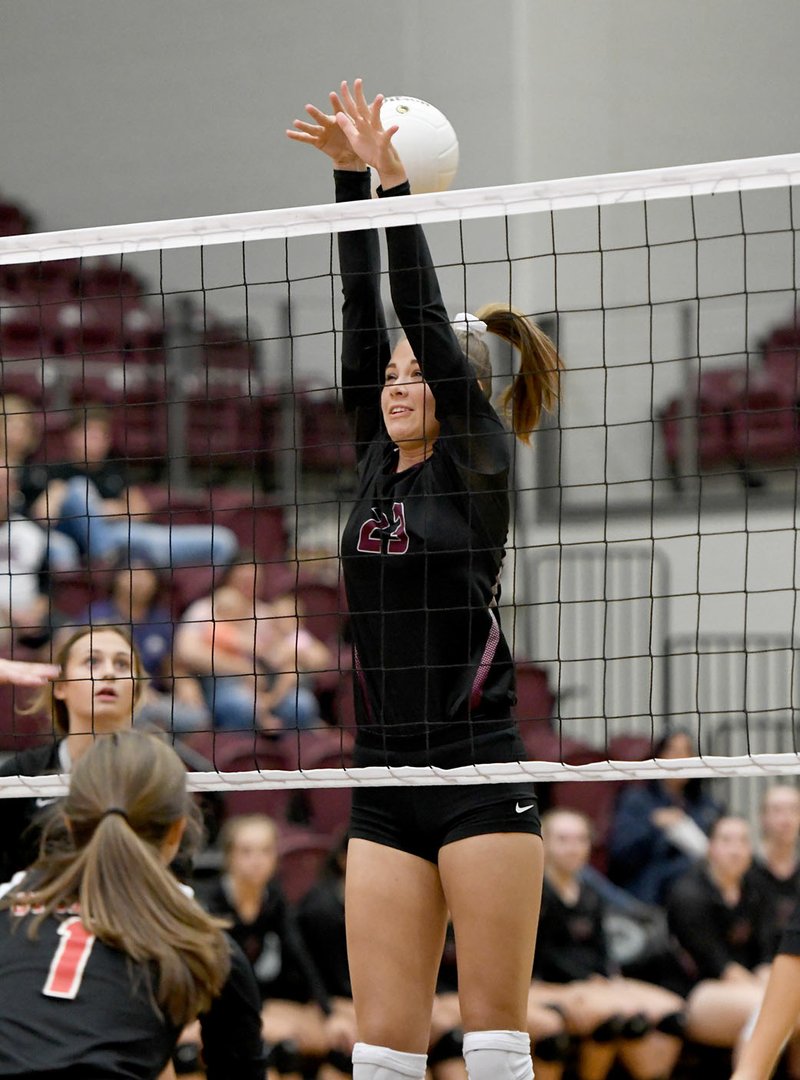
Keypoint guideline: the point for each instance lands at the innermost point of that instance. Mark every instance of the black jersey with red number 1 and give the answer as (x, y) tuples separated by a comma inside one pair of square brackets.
[(422, 549), (73, 1008)]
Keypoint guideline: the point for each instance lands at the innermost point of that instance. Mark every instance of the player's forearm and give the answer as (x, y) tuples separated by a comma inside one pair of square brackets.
[(365, 340), (776, 1020)]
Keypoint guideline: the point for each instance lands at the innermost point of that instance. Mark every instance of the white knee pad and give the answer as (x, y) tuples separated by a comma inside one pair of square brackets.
[(498, 1055), (381, 1063)]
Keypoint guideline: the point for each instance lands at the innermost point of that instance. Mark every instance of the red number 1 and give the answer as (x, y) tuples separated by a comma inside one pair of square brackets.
[(66, 969)]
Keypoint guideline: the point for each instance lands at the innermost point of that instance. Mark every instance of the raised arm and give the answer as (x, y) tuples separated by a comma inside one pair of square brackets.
[(365, 341), (365, 346), (461, 406)]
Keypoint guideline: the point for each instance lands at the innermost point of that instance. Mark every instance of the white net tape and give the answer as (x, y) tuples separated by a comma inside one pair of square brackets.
[(542, 197), (757, 765)]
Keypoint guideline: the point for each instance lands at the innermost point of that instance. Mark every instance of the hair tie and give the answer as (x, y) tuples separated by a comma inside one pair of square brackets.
[(469, 324), (115, 810)]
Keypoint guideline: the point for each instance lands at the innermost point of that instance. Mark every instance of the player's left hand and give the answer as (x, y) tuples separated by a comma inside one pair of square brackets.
[(361, 123)]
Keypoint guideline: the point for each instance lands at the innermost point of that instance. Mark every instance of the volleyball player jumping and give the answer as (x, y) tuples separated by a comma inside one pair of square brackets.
[(421, 556)]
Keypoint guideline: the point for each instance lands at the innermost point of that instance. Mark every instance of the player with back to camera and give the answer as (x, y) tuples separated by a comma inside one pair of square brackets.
[(421, 556), (103, 955)]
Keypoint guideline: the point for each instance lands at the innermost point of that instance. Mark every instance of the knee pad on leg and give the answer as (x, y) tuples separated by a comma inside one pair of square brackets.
[(381, 1063), (498, 1055)]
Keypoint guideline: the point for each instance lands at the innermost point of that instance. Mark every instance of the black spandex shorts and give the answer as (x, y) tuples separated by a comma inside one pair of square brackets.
[(421, 819)]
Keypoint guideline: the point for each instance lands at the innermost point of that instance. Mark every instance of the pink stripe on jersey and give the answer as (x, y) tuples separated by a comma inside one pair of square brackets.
[(362, 682), (492, 641)]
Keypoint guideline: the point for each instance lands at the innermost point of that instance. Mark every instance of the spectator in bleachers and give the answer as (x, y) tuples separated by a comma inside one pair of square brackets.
[(776, 865), (23, 548), (89, 499), (98, 688), (721, 919), (321, 919), (297, 1009), (616, 1019), (174, 698), (20, 433), (249, 656), (660, 828)]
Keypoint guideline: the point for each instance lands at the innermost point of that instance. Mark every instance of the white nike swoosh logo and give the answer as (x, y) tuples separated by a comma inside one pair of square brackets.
[(44, 802), (522, 809)]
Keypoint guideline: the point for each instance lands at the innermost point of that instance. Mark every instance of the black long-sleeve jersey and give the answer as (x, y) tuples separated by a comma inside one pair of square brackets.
[(19, 824), (571, 941), (422, 549), (715, 934), (274, 946), (320, 916), (73, 1008)]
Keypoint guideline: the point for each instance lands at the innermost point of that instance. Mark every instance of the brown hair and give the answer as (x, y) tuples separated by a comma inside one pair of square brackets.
[(87, 414), (125, 793), (534, 388), (45, 700)]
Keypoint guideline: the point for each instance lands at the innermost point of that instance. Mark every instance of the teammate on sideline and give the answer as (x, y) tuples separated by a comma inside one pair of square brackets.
[(99, 682), (103, 956), (421, 556)]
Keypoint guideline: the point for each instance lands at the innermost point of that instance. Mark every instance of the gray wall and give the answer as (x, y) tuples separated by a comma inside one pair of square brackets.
[(126, 110)]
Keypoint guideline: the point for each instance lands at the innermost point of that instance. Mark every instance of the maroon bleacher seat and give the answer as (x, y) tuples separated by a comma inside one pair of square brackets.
[(25, 335), (107, 278), (259, 526), (49, 283), (20, 730), (236, 751), (764, 428), (534, 709), (301, 856), (328, 809), (74, 590), (326, 441), (13, 219), (322, 608)]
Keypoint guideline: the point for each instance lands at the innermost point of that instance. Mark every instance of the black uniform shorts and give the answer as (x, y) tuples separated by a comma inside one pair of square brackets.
[(421, 819)]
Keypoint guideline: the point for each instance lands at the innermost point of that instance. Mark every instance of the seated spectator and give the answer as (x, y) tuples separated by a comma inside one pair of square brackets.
[(660, 828), (617, 1019), (776, 866), (94, 512), (98, 687), (296, 1005), (721, 920), (174, 699), (20, 434), (321, 919), (248, 659), (23, 547)]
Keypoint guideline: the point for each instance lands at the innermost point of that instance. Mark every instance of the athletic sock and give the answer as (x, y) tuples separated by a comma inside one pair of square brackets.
[(381, 1063), (498, 1055)]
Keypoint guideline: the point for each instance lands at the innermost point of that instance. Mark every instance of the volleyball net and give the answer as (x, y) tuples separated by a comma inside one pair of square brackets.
[(650, 582)]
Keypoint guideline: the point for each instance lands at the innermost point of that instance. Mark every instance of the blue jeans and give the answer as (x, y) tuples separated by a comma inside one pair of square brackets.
[(96, 536), (232, 702)]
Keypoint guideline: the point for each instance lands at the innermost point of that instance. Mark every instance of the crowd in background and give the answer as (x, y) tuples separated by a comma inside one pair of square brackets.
[(667, 944)]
